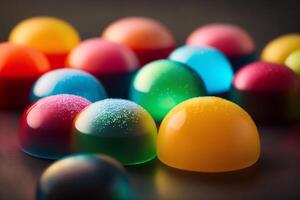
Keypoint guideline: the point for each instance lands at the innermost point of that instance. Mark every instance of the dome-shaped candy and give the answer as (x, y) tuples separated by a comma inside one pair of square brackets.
[(46, 126), (148, 38), (20, 66), (84, 176), (68, 81), (280, 48), (232, 40), (52, 36), (118, 128), (208, 134), (268, 91), (162, 84), (113, 64), (293, 61), (210, 64)]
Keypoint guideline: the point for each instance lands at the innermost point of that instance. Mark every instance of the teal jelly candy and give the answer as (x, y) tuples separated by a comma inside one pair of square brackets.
[(162, 84), (293, 61), (85, 176), (116, 127), (68, 81), (210, 64)]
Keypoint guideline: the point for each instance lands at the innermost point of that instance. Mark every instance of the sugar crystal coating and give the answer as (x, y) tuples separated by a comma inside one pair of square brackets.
[(119, 128)]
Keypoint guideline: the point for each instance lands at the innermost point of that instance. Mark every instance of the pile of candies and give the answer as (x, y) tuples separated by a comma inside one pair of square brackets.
[(78, 91)]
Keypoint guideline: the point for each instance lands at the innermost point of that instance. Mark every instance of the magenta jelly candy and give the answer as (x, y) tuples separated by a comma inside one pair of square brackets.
[(45, 128)]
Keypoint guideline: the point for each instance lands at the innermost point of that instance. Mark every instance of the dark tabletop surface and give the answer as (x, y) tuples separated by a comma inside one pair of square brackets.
[(277, 173), (275, 176)]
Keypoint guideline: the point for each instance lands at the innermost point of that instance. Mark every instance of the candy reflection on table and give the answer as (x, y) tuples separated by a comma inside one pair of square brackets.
[(162, 84), (20, 66), (119, 128), (113, 64), (210, 64), (52, 36), (46, 126), (68, 81), (203, 134), (149, 39), (85, 176)]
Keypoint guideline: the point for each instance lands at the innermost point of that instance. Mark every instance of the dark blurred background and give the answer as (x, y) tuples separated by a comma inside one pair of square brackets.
[(264, 19)]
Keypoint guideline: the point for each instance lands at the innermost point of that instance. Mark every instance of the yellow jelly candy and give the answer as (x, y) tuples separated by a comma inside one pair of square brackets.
[(280, 48), (52, 36), (208, 134)]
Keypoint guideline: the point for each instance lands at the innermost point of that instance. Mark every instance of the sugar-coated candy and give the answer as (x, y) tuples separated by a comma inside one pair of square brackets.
[(46, 126), (210, 64), (113, 64), (20, 66), (161, 85), (52, 36), (208, 134), (280, 48), (268, 91), (68, 81), (148, 38), (85, 176), (231, 39), (119, 128)]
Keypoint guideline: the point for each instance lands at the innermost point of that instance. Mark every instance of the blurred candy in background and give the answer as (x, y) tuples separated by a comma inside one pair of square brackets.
[(112, 63), (210, 64), (232, 40), (280, 48), (52, 36), (20, 66), (85, 176), (148, 38), (268, 91)]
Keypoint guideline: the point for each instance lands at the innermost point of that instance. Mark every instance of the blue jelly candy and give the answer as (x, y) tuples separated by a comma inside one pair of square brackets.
[(211, 65), (68, 81)]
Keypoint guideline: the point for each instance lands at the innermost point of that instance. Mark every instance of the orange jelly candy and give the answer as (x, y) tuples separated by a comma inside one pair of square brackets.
[(208, 134), (52, 36), (20, 66), (148, 38)]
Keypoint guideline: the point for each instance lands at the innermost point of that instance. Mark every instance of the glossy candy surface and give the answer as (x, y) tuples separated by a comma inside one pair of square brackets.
[(148, 38), (45, 127), (268, 91), (232, 40), (113, 64), (118, 128), (208, 134), (293, 61), (68, 81), (210, 64), (84, 176), (162, 84), (52, 36), (20, 66), (280, 48)]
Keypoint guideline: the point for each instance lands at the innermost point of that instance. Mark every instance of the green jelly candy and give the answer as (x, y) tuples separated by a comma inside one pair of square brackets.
[(162, 84), (116, 127), (293, 61)]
